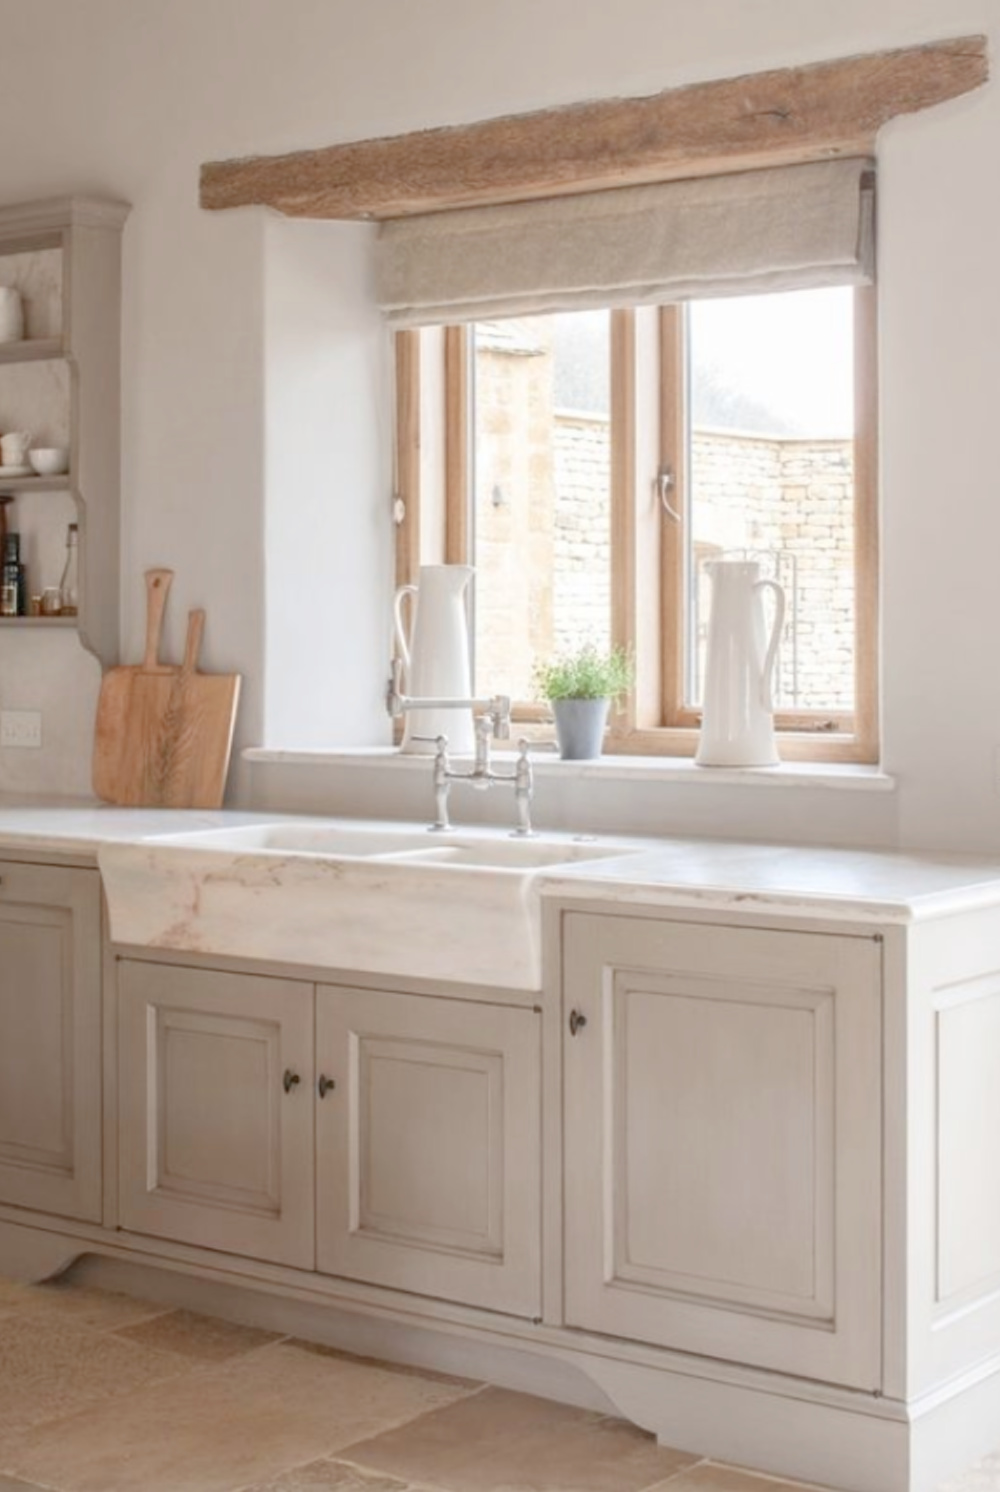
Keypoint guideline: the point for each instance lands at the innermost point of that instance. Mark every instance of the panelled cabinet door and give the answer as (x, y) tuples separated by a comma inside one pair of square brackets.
[(216, 1110), (722, 1142), (428, 1146), (50, 1039)]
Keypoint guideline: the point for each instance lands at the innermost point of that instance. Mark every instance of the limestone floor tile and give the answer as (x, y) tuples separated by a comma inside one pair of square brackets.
[(99, 1310), (51, 1368), (327, 1476), (712, 1476), (502, 1440), (10, 1295), (203, 1338), (223, 1427)]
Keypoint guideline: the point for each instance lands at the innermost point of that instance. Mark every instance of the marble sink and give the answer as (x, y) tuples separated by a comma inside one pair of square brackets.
[(373, 898)]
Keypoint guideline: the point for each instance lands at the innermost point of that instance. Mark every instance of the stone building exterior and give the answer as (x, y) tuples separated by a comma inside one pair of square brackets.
[(543, 551)]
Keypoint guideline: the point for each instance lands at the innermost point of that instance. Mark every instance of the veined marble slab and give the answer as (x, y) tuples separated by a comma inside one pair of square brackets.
[(404, 904)]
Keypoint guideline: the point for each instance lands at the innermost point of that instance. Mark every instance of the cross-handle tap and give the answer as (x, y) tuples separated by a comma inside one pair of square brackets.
[(524, 789)]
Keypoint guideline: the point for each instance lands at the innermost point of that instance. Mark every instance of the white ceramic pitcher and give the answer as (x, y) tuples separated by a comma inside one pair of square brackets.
[(737, 725), (435, 655)]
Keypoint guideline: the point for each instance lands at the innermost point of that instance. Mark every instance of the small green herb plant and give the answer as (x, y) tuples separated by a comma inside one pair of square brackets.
[(588, 673)]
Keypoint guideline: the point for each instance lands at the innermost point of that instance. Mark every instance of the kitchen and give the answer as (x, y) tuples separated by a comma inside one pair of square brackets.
[(251, 362)]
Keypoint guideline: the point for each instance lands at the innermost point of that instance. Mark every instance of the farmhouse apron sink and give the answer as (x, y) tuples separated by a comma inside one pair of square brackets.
[(372, 898)]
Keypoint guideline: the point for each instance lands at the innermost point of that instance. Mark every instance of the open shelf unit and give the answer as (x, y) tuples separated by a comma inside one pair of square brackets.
[(62, 383)]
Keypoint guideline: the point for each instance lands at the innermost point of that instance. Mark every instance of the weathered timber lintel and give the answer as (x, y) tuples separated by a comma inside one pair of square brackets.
[(771, 118)]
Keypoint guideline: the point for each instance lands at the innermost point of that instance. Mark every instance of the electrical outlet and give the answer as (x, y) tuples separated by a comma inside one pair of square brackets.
[(20, 727)]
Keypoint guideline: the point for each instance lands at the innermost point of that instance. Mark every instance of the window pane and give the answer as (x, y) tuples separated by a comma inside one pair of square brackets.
[(771, 463), (541, 519)]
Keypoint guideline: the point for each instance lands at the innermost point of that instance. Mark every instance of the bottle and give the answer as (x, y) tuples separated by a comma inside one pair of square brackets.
[(69, 586), (10, 575)]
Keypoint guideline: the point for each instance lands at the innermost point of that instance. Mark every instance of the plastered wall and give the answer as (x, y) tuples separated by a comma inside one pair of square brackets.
[(128, 97)]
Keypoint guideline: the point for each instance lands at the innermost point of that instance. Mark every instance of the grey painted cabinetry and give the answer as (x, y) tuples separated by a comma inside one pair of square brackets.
[(377, 1136), (722, 1142), (61, 384), (50, 1039)]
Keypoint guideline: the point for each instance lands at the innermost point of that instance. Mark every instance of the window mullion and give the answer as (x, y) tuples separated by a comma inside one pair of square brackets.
[(673, 460)]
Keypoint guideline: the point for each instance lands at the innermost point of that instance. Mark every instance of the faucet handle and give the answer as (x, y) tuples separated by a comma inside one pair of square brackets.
[(499, 716), (394, 690)]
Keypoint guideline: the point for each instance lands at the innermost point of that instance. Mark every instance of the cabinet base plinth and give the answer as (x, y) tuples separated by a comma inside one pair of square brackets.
[(772, 1424)]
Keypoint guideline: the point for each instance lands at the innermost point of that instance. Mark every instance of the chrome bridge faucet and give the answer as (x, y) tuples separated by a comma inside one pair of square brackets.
[(483, 775)]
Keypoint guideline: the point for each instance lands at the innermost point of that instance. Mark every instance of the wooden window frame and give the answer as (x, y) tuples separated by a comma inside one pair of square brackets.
[(648, 434)]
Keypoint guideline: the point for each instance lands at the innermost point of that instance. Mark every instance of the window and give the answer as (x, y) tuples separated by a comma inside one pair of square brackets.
[(590, 462), (607, 391)]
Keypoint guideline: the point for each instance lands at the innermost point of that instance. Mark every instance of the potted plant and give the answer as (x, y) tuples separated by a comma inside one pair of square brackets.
[(581, 687)]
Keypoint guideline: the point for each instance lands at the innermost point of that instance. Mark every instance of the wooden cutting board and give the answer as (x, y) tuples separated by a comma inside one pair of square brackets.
[(132, 703), (195, 733)]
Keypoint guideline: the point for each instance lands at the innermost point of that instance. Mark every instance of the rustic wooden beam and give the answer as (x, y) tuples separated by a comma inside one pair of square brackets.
[(773, 118)]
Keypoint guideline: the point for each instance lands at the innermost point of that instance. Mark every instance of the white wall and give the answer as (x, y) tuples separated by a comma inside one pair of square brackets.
[(130, 96)]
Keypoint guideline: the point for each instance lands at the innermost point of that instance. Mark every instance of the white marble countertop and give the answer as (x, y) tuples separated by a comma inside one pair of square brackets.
[(866, 885), (79, 826), (851, 885)]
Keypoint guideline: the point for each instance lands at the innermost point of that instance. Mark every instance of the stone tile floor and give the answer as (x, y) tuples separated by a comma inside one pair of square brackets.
[(107, 1393)]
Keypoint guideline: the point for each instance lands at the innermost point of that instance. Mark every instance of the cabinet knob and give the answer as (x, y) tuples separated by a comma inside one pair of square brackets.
[(325, 1085), (290, 1080), (577, 1021)]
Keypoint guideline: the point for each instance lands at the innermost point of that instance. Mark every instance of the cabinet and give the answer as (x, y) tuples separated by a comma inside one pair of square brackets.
[(722, 1142), (216, 1110), (428, 1146), (50, 1039), (62, 384), (426, 1115)]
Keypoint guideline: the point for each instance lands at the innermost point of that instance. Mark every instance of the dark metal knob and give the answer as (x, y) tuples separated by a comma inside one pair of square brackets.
[(326, 1085), (290, 1080), (577, 1021)]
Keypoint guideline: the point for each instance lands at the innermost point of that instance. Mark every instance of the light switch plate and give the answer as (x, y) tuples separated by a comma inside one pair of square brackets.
[(20, 728)]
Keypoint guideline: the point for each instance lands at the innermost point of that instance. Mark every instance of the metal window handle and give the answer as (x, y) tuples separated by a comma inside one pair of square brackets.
[(664, 484), (325, 1085), (577, 1021), (290, 1080)]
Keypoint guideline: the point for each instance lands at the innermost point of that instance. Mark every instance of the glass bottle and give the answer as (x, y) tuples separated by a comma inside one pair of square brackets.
[(69, 586)]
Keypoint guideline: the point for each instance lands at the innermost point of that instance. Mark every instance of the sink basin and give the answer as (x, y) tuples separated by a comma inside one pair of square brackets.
[(382, 899), (418, 845)]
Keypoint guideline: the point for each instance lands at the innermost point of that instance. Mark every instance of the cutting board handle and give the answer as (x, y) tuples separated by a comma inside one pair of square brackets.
[(192, 647), (157, 590)]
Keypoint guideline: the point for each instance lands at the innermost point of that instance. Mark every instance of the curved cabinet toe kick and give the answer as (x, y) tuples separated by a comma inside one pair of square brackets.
[(736, 1167)]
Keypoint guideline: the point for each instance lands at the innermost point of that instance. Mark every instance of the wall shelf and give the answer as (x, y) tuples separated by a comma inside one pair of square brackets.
[(62, 382), (37, 621), (36, 349), (15, 485)]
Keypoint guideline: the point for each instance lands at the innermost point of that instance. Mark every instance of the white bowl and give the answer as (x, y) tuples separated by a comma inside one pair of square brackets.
[(49, 461)]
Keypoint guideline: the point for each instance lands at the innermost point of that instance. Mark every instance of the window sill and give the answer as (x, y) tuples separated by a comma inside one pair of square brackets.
[(661, 770)]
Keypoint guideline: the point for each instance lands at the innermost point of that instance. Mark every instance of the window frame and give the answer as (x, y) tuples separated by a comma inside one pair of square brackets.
[(648, 435)]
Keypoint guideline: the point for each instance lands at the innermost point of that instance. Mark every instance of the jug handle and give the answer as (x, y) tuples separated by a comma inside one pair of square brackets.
[(403, 642), (767, 672)]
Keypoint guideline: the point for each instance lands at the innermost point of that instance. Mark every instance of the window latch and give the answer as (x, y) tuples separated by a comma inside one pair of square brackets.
[(664, 485)]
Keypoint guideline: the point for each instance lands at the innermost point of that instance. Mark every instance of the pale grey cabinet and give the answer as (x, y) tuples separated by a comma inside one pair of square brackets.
[(50, 1039), (428, 1146), (216, 1110), (723, 1142)]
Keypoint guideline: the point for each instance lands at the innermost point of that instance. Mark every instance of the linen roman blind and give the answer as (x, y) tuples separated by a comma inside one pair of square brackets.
[(781, 228)]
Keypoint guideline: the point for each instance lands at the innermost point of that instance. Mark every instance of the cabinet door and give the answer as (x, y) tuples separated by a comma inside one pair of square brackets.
[(216, 1110), (722, 1142), (428, 1155), (50, 1039)]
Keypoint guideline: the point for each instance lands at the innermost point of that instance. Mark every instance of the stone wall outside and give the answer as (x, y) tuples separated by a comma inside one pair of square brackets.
[(543, 533)]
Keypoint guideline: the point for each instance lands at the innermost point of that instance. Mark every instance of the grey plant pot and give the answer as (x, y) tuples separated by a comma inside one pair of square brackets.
[(580, 727)]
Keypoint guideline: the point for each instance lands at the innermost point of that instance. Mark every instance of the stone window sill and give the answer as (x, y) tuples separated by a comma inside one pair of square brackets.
[(659, 770)]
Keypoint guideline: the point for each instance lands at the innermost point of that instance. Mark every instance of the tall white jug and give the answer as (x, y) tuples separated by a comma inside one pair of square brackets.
[(435, 655), (737, 724)]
